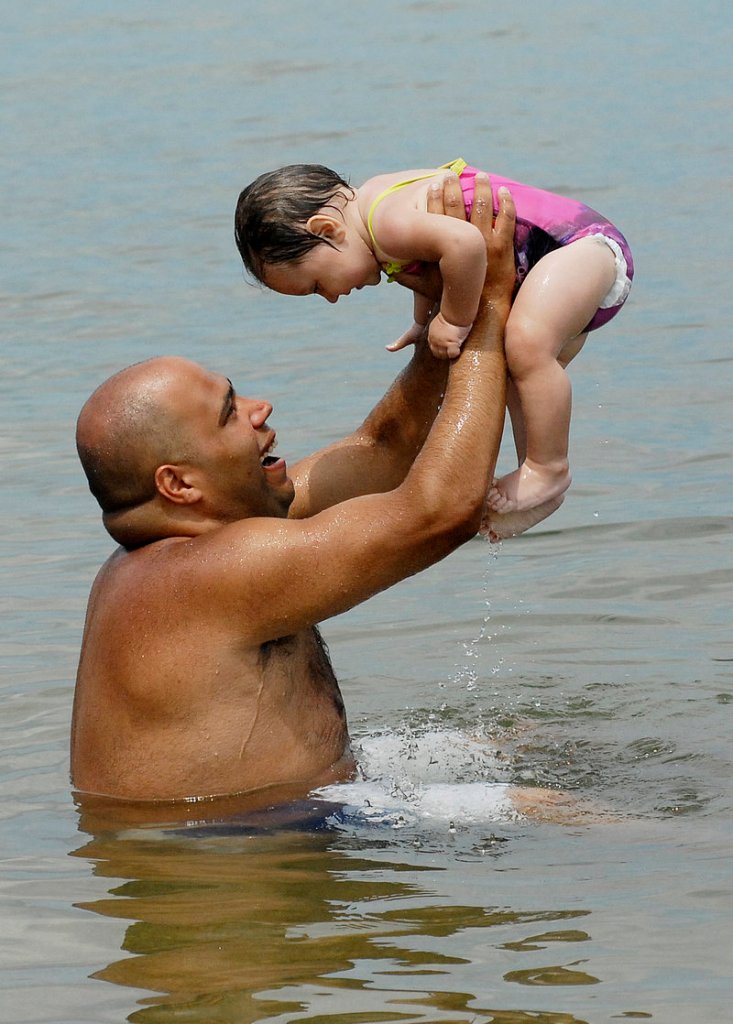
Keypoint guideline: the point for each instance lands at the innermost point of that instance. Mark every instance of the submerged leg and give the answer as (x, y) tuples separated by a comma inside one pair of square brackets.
[(559, 807)]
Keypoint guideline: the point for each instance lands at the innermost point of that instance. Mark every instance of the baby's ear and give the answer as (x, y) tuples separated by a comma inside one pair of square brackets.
[(326, 226)]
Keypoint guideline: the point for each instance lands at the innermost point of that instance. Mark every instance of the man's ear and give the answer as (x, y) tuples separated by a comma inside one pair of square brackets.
[(325, 226), (174, 483)]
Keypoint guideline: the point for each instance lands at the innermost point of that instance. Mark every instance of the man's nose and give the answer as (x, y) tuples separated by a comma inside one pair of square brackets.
[(330, 298), (258, 411)]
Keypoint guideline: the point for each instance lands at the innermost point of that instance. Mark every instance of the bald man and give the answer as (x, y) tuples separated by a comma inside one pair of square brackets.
[(202, 673)]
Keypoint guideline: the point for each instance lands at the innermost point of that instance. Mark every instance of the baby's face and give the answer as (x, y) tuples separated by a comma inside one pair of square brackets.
[(326, 271)]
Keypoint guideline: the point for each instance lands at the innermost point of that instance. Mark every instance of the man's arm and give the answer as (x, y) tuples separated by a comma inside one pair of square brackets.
[(378, 454), (275, 577)]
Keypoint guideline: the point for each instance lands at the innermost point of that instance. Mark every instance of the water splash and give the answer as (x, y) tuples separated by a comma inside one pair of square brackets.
[(466, 674), (445, 777)]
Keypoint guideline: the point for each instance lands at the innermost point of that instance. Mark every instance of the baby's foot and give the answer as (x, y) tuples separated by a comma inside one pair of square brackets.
[(497, 526), (529, 486)]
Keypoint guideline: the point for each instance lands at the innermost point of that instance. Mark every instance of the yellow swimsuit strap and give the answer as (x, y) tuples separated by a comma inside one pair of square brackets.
[(454, 165)]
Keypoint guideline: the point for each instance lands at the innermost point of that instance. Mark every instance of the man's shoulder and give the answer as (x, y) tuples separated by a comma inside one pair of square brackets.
[(198, 557), (135, 567)]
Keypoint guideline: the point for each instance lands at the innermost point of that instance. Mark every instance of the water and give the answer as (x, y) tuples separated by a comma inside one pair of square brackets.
[(593, 654)]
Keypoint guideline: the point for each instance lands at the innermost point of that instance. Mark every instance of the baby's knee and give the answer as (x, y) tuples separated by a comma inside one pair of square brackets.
[(527, 345)]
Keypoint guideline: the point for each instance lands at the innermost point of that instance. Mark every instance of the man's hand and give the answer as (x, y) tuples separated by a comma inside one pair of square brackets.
[(499, 237), (446, 197)]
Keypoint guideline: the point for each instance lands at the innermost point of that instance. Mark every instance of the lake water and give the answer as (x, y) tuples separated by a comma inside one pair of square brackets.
[(592, 654)]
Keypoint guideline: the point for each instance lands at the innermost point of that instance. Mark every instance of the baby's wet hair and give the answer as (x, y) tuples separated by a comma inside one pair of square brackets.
[(272, 213)]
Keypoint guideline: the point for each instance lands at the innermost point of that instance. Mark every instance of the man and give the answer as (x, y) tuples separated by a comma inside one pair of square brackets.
[(202, 673)]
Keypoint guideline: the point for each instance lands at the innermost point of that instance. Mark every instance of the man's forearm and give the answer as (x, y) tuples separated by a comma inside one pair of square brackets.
[(459, 456), (456, 463), (377, 456), (401, 420), (393, 435)]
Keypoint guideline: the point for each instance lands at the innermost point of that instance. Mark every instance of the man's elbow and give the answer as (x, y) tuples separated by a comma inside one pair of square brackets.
[(459, 518), (468, 518)]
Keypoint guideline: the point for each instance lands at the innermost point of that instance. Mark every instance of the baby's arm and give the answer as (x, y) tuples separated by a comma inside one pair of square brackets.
[(456, 246), (463, 269)]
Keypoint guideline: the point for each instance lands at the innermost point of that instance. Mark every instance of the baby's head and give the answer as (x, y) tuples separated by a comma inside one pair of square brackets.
[(271, 220), (286, 214)]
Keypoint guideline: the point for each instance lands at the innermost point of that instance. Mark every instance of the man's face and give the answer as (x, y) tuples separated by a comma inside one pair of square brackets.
[(232, 443), (327, 270)]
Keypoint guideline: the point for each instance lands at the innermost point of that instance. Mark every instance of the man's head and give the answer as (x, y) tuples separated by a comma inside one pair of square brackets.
[(169, 449)]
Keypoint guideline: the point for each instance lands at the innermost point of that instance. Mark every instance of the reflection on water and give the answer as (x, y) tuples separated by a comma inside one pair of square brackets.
[(244, 927), (403, 904)]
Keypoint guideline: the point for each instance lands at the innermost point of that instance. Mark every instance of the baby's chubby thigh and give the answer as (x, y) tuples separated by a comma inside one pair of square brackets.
[(556, 301)]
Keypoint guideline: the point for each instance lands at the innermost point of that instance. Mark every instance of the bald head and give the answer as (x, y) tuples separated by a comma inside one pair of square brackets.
[(129, 427)]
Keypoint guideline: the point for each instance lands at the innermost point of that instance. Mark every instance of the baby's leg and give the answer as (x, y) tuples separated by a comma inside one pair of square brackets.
[(558, 298)]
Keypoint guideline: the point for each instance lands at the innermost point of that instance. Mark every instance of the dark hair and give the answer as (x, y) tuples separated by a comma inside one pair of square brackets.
[(271, 214)]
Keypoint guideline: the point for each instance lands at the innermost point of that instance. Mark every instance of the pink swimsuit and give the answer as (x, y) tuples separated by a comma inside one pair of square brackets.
[(546, 221)]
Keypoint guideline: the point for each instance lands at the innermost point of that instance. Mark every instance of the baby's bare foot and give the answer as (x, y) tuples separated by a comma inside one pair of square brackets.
[(498, 526), (527, 487)]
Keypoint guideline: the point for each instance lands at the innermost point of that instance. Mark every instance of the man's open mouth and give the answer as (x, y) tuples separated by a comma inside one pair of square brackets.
[(266, 456)]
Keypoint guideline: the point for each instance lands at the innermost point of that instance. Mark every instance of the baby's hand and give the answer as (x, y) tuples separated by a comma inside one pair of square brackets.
[(445, 339), (410, 336)]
